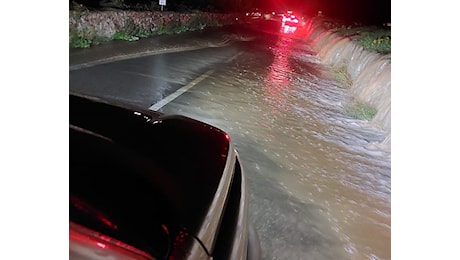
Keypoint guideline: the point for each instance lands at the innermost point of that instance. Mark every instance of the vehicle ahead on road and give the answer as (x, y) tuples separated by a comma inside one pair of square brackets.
[(144, 185), (290, 19)]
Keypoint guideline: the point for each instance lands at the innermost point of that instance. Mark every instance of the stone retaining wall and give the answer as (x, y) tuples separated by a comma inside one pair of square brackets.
[(103, 25)]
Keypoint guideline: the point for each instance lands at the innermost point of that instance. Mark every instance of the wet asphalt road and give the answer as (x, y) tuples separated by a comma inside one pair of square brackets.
[(166, 64), (301, 199), (145, 81)]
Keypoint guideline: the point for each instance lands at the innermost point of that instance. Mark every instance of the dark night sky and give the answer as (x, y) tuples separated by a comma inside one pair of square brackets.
[(366, 11)]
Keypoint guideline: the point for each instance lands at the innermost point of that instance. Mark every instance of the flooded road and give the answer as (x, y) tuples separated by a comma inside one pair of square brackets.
[(319, 180), (319, 185)]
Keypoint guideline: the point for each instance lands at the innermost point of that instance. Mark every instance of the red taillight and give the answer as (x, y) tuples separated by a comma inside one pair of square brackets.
[(85, 243), (101, 245)]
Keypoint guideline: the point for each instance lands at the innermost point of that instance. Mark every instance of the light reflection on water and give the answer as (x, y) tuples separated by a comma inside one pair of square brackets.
[(277, 81), (356, 186), (288, 123)]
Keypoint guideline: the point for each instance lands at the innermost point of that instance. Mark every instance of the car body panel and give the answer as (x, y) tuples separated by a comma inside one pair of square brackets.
[(158, 183)]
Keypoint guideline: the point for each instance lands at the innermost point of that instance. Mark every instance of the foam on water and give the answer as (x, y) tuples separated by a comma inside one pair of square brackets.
[(369, 71)]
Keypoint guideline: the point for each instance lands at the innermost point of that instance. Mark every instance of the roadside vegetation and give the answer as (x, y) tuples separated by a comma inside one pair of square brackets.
[(361, 110), (374, 38), (371, 38), (355, 109), (341, 75)]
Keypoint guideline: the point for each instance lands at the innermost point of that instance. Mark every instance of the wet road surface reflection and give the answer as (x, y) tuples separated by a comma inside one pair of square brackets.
[(319, 183), (143, 81)]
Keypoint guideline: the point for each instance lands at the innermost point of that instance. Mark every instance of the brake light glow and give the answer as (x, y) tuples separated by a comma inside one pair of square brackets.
[(82, 238), (101, 245)]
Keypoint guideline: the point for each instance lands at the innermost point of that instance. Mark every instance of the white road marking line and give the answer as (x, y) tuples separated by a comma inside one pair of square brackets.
[(184, 89), (234, 57), (180, 91), (134, 55)]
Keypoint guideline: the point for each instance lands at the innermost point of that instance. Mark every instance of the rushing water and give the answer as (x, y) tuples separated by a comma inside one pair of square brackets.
[(369, 71), (288, 122)]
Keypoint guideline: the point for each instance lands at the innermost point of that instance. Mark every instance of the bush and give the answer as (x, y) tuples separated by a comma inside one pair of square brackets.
[(370, 37), (78, 40), (341, 75), (124, 36), (360, 110), (380, 44)]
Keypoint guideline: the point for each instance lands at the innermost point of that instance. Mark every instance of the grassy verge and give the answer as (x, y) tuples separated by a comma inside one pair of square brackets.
[(355, 109), (340, 74), (370, 37), (361, 110)]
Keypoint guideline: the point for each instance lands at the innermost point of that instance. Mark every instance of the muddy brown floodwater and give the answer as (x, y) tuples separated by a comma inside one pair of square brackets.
[(319, 181)]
